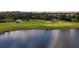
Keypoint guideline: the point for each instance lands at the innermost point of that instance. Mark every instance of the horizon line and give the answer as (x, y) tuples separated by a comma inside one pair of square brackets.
[(45, 11)]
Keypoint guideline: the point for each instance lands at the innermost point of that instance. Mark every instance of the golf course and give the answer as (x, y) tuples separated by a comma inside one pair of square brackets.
[(37, 24)]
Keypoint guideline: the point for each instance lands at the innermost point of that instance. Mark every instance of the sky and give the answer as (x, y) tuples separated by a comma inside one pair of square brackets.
[(39, 5)]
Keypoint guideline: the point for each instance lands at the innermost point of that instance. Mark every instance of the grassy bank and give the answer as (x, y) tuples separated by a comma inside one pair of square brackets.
[(37, 24)]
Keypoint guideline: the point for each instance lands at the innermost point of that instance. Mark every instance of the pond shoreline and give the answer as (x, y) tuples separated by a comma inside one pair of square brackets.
[(12, 29)]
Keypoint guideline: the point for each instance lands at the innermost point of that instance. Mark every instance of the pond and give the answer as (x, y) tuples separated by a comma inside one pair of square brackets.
[(40, 39)]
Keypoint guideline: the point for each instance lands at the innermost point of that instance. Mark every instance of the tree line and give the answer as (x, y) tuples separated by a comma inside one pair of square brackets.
[(13, 16)]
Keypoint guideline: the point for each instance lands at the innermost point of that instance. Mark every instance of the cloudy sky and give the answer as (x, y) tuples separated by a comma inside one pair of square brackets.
[(39, 5)]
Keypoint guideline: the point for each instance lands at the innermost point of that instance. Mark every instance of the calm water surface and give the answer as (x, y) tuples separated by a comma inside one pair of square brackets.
[(40, 39)]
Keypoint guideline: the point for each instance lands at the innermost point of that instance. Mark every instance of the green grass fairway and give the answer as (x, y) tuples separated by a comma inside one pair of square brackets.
[(37, 24)]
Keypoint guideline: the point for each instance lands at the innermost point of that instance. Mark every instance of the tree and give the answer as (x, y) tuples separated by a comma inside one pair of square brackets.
[(68, 18), (77, 17), (62, 17)]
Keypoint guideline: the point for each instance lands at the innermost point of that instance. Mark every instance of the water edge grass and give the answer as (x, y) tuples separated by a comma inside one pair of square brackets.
[(37, 24)]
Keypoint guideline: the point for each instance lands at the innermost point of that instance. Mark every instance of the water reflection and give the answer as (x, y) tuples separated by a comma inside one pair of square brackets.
[(40, 39), (28, 38), (65, 38)]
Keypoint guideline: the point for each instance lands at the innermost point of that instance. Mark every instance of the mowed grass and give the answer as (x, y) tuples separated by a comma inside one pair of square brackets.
[(37, 24)]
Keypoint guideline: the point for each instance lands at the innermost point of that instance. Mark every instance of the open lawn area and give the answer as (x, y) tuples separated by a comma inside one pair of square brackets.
[(37, 24)]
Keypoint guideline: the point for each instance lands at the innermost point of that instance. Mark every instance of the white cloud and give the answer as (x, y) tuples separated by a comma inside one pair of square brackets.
[(39, 5)]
